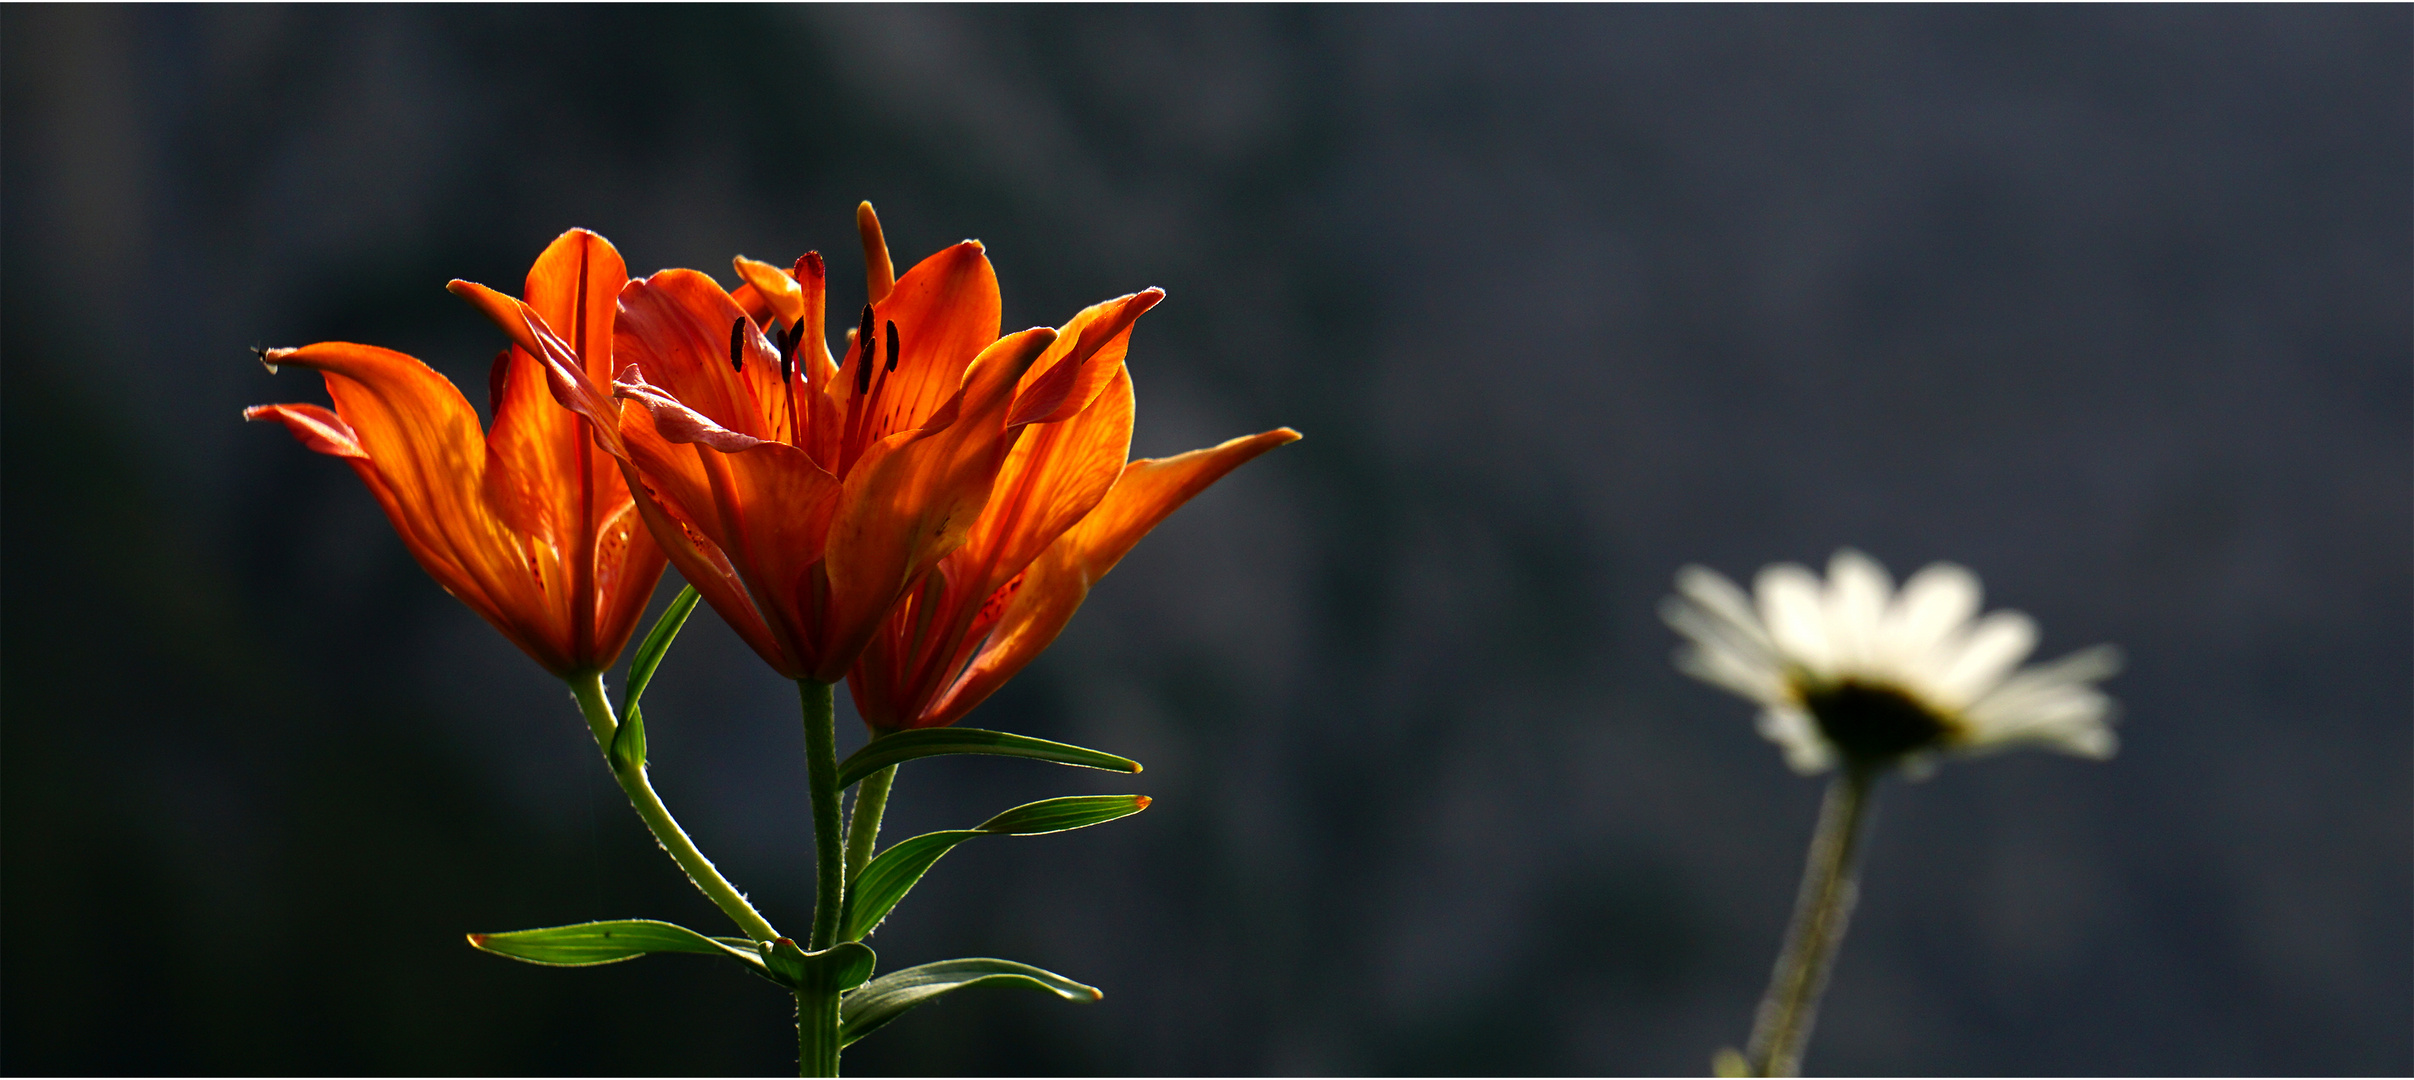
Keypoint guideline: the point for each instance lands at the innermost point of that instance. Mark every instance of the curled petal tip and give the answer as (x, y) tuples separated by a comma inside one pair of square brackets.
[(269, 358), (506, 312)]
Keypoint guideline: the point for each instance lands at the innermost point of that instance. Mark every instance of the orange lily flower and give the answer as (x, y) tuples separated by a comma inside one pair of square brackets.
[(526, 523), (803, 497), (1064, 511)]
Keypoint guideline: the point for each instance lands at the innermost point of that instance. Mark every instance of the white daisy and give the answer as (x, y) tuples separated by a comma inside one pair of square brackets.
[(1857, 672)]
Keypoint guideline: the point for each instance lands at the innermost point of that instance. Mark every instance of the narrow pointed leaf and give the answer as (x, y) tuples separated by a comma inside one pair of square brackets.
[(1058, 815), (628, 741), (657, 642), (889, 996), (901, 746), (891, 875), (607, 942)]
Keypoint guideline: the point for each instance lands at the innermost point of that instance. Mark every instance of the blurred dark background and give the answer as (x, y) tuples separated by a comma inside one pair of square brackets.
[(2110, 304)]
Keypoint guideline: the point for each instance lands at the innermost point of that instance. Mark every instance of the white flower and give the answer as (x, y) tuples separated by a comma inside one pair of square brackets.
[(1855, 671)]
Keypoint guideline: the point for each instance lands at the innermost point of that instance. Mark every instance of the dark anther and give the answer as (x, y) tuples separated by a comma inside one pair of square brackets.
[(737, 344), (892, 346), (863, 354)]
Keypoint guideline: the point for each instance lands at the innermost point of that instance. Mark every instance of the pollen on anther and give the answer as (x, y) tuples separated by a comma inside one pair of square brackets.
[(892, 345), (737, 344)]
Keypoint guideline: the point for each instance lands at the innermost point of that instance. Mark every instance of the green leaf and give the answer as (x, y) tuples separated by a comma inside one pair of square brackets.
[(628, 741), (903, 746), (887, 879), (585, 944), (889, 996), (657, 642), (843, 966), (1058, 815)]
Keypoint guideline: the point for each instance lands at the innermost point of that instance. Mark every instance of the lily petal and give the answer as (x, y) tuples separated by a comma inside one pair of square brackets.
[(313, 426), (422, 451), (1059, 580), (1088, 353), (947, 312), (764, 506), (704, 567), (914, 496), (676, 327), (1055, 475), (780, 292)]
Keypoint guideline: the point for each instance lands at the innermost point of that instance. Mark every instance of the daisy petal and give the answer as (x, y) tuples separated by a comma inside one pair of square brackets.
[(1713, 593), (1728, 670), (1857, 589), (1806, 751), (1790, 608), (1933, 604), (1713, 634), (1994, 647)]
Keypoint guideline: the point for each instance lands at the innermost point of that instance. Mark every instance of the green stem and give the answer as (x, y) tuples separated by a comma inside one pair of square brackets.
[(821, 775), (592, 702), (863, 824), (1782, 1027), (816, 1007), (816, 1033)]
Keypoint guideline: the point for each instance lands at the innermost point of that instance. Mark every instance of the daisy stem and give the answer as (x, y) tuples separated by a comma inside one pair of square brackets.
[(817, 1008), (597, 707), (863, 825), (1782, 1027)]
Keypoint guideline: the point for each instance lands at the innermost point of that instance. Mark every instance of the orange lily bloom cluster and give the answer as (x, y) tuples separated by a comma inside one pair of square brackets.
[(526, 523), (887, 506), (920, 518)]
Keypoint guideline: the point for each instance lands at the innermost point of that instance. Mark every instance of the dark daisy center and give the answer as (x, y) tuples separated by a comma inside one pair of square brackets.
[(1874, 723)]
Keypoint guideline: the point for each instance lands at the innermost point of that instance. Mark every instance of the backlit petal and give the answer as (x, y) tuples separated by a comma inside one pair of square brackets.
[(314, 427), (421, 440), (914, 496), (1857, 590), (1088, 354), (675, 326), (1994, 646), (1055, 475), (1060, 579), (1790, 608), (1932, 606), (780, 292), (946, 310), (703, 565), (575, 287)]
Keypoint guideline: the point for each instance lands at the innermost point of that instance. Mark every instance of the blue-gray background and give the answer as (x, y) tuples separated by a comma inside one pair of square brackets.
[(2110, 304)]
